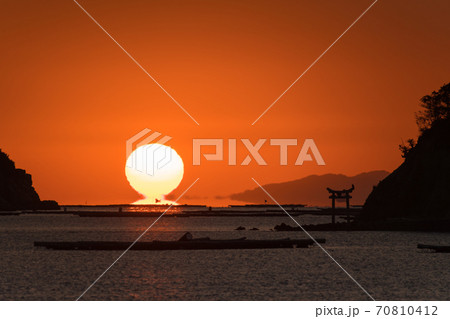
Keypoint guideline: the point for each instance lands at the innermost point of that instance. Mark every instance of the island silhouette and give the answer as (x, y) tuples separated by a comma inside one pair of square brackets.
[(311, 190)]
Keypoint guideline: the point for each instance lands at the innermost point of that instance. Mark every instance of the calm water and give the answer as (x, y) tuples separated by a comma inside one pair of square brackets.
[(387, 264)]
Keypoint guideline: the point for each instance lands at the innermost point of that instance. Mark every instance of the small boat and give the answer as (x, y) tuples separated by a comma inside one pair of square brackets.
[(187, 242), (436, 248)]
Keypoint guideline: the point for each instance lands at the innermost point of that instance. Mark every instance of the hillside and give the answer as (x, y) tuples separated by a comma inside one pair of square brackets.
[(420, 187)]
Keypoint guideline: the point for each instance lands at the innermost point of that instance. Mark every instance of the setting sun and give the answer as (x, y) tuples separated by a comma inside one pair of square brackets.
[(154, 170)]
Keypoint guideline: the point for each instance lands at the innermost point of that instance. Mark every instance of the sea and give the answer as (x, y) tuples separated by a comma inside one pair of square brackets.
[(387, 265)]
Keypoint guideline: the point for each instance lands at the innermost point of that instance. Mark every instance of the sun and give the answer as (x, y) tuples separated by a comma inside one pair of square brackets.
[(154, 170)]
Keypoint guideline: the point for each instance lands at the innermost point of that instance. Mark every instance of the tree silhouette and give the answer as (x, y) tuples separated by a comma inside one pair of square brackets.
[(436, 107), (405, 148)]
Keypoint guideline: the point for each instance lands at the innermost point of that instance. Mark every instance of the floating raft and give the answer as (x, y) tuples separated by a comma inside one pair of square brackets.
[(193, 244), (436, 248)]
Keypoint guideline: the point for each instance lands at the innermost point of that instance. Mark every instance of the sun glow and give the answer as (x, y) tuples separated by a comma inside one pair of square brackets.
[(154, 170)]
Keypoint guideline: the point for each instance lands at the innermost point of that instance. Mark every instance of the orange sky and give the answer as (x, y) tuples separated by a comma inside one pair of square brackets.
[(70, 97)]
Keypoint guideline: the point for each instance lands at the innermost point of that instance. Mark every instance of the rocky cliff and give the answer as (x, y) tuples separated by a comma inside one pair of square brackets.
[(420, 187), (16, 188)]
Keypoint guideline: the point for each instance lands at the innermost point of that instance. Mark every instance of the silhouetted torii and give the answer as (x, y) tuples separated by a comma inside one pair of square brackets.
[(340, 194)]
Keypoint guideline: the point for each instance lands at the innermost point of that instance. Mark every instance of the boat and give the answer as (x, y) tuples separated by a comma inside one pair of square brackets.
[(184, 243), (436, 248)]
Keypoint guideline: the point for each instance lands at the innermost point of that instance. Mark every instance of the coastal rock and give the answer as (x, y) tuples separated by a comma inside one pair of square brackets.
[(16, 188)]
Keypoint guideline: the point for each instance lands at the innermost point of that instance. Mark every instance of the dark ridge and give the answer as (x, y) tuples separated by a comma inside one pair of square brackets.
[(420, 187)]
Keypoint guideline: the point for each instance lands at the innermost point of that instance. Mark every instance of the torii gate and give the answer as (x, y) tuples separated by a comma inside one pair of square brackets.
[(341, 194)]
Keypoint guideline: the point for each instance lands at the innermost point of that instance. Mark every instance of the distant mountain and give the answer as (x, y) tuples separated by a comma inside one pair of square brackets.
[(311, 190), (16, 188)]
